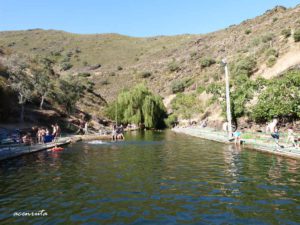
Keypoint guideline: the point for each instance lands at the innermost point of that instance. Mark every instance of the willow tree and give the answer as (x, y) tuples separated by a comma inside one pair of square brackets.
[(138, 106)]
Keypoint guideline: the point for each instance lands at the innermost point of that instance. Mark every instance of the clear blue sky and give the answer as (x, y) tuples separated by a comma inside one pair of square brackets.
[(132, 17)]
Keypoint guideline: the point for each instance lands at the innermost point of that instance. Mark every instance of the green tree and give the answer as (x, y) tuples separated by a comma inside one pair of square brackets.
[(19, 80), (138, 106), (68, 92), (281, 98), (186, 105), (43, 74)]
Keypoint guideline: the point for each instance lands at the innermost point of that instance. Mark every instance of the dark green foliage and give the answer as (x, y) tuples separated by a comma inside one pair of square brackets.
[(112, 74), (104, 82), (297, 35), (248, 31), (207, 62), (245, 66), (173, 66), (145, 74), (217, 90), (66, 66), (120, 68), (66, 59), (286, 32), (84, 74), (186, 105), (275, 19), (271, 61), (200, 89), (69, 54), (193, 55), (266, 38), (171, 121), (255, 42), (271, 52), (280, 99), (68, 92), (180, 85), (138, 106), (177, 86), (242, 91)]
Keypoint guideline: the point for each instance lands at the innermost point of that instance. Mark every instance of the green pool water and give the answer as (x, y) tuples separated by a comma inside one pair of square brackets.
[(151, 178)]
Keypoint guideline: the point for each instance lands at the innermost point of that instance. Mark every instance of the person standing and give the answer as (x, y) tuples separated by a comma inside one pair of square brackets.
[(114, 133), (292, 137), (273, 128)]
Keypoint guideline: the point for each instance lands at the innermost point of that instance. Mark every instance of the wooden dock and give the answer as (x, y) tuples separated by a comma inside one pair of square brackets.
[(14, 150)]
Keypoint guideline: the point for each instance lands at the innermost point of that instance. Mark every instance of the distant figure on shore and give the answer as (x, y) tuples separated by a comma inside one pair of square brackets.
[(58, 131), (292, 137), (203, 123), (225, 126), (271, 126), (120, 132), (114, 133), (53, 130), (85, 128), (237, 137)]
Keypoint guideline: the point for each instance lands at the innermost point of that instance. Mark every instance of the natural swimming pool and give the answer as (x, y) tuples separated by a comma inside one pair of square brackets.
[(151, 178)]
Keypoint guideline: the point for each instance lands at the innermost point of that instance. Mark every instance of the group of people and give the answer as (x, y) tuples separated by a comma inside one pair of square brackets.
[(273, 129), (117, 132), (41, 135)]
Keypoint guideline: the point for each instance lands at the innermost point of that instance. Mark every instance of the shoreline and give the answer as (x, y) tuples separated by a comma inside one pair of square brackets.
[(252, 144)]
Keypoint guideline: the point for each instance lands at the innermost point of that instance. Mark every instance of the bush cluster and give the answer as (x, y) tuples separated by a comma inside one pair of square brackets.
[(180, 85), (145, 74), (286, 33), (207, 62), (297, 35)]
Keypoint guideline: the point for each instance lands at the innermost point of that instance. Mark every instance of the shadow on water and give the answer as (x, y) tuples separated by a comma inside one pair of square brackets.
[(154, 178)]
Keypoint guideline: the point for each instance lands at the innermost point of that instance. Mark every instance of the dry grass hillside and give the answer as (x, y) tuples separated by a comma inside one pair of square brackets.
[(118, 62)]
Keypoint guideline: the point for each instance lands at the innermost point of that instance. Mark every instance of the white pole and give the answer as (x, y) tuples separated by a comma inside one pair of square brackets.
[(228, 110), (116, 113)]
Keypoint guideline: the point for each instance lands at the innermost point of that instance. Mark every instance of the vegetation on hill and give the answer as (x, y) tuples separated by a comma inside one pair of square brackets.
[(184, 65), (34, 79)]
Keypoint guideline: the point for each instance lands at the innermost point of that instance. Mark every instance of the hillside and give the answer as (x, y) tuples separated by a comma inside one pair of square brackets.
[(118, 62)]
